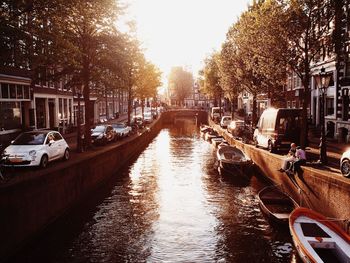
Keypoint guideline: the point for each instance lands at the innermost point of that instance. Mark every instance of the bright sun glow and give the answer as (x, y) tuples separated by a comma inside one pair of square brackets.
[(182, 32)]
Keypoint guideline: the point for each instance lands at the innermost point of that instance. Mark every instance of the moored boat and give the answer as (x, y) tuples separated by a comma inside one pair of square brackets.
[(318, 239), (210, 135), (217, 140), (231, 158), (275, 204)]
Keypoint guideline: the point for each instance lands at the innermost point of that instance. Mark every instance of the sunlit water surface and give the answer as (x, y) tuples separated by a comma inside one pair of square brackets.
[(168, 205)]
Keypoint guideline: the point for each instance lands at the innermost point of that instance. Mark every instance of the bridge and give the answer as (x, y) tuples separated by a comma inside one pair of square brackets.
[(170, 116)]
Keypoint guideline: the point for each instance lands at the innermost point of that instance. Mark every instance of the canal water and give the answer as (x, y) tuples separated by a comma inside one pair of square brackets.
[(168, 205)]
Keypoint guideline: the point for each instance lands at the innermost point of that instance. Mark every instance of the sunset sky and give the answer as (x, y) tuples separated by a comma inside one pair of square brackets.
[(183, 32)]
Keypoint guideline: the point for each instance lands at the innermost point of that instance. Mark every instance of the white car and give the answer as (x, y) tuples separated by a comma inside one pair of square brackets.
[(36, 148), (345, 164), (225, 121), (147, 117), (121, 129)]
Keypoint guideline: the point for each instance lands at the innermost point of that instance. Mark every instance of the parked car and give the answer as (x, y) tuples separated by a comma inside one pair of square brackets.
[(147, 117), (35, 148), (345, 164), (236, 128), (225, 121), (138, 121), (215, 113), (102, 134), (278, 128), (121, 129)]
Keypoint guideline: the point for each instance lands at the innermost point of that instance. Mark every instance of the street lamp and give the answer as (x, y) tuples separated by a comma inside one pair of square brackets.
[(322, 81), (79, 91)]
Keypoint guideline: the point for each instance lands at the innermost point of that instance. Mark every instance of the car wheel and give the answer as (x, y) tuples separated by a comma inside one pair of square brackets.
[(44, 161), (66, 155), (345, 168), (270, 147)]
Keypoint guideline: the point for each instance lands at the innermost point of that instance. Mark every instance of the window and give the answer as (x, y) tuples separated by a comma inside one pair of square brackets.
[(65, 108), (294, 104), (4, 90), (26, 92), (19, 89), (12, 91), (330, 106), (60, 109), (10, 115), (288, 104)]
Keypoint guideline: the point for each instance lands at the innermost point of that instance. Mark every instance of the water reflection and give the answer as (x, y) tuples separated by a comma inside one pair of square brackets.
[(170, 205)]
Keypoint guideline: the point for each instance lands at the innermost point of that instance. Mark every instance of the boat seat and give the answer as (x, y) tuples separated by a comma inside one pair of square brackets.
[(282, 215), (313, 230)]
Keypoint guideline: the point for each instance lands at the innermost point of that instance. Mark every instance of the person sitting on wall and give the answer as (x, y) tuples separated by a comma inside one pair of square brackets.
[(289, 158), (300, 156)]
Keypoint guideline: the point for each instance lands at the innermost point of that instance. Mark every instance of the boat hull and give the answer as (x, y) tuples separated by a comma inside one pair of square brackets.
[(276, 205), (317, 239)]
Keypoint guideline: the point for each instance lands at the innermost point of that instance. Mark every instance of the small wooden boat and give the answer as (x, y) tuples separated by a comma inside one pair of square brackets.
[(223, 143), (276, 205), (217, 140), (205, 128), (210, 135), (231, 158), (318, 239)]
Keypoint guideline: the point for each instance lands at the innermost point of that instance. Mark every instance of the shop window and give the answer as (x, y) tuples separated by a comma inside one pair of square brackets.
[(65, 108), (19, 89), (26, 92), (10, 115), (60, 110), (4, 90), (12, 91), (330, 106)]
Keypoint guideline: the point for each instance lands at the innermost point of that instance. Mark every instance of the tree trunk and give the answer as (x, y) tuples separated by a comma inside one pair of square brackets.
[(129, 103), (113, 99), (106, 99), (88, 117), (254, 113), (232, 109)]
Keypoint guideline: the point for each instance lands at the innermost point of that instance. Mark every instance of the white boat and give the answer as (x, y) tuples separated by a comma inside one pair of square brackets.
[(210, 135), (231, 158), (217, 140), (318, 239)]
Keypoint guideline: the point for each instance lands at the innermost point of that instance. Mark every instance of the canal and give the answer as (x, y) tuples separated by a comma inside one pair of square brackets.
[(168, 205)]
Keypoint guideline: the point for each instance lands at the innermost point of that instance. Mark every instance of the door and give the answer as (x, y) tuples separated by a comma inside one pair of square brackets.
[(52, 113), (40, 113)]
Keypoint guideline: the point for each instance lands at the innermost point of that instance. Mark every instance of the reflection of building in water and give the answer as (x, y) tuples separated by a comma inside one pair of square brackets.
[(186, 125)]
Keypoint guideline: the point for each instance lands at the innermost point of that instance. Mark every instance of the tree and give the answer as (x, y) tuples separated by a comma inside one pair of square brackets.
[(181, 82), (149, 79), (307, 32), (83, 26), (211, 78)]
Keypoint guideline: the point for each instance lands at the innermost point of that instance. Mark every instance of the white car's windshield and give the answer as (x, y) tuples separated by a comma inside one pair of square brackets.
[(99, 129), (118, 125), (30, 139)]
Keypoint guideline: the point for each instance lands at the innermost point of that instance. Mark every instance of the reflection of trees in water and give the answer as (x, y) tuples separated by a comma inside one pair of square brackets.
[(184, 134)]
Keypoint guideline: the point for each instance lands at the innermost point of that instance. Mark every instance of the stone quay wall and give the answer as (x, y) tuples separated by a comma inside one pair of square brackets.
[(323, 190)]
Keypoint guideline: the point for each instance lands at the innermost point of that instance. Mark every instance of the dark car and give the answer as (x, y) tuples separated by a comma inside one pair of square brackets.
[(137, 121), (102, 134)]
